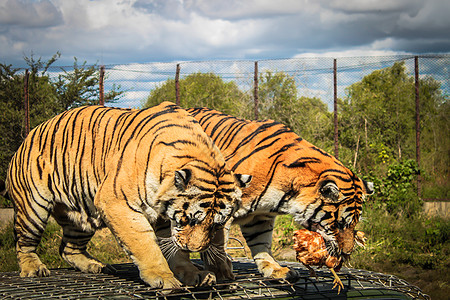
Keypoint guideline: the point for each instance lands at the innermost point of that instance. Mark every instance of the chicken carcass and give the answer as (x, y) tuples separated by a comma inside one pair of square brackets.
[(311, 251)]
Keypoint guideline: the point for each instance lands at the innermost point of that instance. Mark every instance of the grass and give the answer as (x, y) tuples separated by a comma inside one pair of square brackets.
[(415, 249), (102, 246)]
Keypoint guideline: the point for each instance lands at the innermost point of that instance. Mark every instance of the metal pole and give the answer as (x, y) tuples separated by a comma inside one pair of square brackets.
[(416, 71), (101, 86), (177, 85), (26, 103), (255, 90), (336, 138)]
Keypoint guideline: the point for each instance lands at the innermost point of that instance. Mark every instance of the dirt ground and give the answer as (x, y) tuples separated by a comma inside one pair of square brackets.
[(6, 215)]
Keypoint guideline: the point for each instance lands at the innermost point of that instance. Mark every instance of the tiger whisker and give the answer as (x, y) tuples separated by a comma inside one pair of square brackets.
[(168, 247), (213, 253)]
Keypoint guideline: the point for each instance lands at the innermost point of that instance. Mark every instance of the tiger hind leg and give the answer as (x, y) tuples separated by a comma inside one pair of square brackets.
[(29, 225), (73, 250)]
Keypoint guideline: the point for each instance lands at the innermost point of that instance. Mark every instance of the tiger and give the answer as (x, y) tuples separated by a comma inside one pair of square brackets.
[(290, 176), (126, 169)]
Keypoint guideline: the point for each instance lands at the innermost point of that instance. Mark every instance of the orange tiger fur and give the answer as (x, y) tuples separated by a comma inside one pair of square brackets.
[(290, 176), (129, 170)]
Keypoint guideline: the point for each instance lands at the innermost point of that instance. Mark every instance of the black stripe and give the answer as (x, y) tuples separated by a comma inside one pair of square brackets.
[(233, 168), (320, 151), (271, 172), (250, 237), (229, 129)]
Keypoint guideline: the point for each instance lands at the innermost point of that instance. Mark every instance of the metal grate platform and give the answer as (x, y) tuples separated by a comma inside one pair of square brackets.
[(126, 284)]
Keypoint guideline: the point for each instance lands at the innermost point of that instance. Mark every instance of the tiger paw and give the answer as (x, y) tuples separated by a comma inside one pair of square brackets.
[(199, 278), (160, 280), (290, 275), (95, 267), (270, 268), (222, 269), (34, 270), (84, 262)]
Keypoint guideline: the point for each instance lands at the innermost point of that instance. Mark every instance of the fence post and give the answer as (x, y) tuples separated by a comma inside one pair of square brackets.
[(177, 85), (255, 90), (26, 103), (101, 86), (416, 71), (336, 138)]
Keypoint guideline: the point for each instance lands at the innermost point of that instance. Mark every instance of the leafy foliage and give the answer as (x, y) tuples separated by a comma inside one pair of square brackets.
[(396, 192), (47, 98), (414, 248), (102, 246), (80, 87), (308, 117), (202, 90)]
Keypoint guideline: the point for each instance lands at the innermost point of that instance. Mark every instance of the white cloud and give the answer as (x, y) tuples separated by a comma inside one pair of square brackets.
[(373, 6), (29, 13), (432, 16), (250, 9), (143, 30)]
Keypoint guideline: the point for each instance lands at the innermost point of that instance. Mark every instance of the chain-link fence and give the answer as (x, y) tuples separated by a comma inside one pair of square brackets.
[(313, 76), (331, 82)]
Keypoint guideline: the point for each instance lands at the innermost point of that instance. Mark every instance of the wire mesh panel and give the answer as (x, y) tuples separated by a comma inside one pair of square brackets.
[(122, 282)]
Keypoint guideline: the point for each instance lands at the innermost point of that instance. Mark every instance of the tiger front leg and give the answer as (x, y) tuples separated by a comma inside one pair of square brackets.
[(179, 261), (258, 235), (188, 273), (137, 237), (215, 257)]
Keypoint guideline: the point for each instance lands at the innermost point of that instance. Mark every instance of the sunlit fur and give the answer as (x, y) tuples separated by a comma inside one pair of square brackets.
[(290, 176), (126, 169)]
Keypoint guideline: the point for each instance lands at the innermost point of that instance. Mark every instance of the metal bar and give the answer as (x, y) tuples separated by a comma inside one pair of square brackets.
[(177, 85), (255, 91), (336, 138), (416, 71), (249, 284), (101, 86), (26, 103)]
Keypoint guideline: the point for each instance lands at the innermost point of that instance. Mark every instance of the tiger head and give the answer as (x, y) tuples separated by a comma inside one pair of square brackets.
[(200, 200), (327, 198)]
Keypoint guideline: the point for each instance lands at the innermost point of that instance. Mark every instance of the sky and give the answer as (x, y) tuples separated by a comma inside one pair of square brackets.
[(140, 31)]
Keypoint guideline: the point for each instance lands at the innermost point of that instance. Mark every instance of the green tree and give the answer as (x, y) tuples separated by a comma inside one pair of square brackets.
[(277, 95), (11, 114), (377, 114), (203, 90), (377, 122), (47, 97), (308, 117), (435, 137), (80, 86)]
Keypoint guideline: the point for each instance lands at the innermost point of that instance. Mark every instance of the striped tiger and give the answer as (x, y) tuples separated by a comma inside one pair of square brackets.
[(95, 166), (290, 176)]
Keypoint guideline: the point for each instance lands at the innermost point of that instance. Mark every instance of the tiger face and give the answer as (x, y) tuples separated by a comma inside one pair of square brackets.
[(329, 201), (205, 199)]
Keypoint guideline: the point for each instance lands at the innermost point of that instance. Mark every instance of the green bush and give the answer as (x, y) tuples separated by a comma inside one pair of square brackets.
[(397, 190), (284, 231)]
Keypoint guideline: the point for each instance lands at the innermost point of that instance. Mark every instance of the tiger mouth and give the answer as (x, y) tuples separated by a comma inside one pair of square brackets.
[(330, 244)]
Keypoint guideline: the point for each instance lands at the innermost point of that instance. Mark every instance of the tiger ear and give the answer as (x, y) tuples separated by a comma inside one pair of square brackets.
[(243, 180), (182, 178), (330, 190)]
